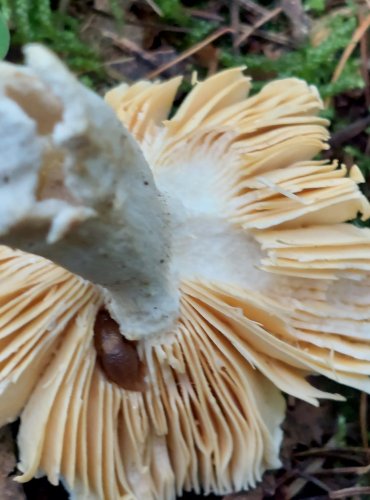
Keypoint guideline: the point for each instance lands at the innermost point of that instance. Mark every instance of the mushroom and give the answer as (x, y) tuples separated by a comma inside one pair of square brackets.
[(163, 280)]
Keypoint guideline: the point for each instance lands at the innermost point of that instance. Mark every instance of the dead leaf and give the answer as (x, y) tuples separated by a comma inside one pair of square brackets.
[(308, 425)]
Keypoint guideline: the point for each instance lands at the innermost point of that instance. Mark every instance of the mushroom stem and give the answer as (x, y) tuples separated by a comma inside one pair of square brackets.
[(75, 188)]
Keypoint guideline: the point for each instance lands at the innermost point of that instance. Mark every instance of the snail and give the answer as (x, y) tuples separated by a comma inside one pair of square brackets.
[(116, 355)]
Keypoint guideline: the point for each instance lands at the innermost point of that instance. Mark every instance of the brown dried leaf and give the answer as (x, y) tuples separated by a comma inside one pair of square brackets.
[(308, 425)]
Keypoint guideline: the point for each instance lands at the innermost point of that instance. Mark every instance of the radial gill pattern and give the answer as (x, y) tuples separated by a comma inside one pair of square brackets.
[(275, 285)]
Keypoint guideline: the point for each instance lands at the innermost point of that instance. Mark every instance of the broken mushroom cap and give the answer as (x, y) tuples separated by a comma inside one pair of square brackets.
[(263, 282)]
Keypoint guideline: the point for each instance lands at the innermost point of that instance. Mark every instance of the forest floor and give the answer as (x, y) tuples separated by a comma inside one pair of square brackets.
[(325, 453)]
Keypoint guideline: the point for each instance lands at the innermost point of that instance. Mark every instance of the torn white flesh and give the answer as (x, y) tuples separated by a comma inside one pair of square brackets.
[(76, 189)]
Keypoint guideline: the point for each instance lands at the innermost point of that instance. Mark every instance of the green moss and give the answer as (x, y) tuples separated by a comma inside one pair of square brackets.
[(117, 11), (35, 21), (200, 30), (174, 11), (340, 436), (315, 6), (316, 65), (4, 37)]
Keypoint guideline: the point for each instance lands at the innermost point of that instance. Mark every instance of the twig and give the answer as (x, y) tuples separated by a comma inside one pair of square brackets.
[(159, 26), (300, 23), (189, 52), (155, 7), (253, 7), (336, 140), (324, 451), (118, 60), (267, 17), (88, 22), (235, 20), (129, 46), (349, 492), (274, 37), (356, 37), (204, 14), (316, 481), (364, 53), (363, 409), (296, 486), (344, 470)]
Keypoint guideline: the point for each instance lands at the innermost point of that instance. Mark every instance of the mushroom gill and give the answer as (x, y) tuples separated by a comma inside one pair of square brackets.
[(250, 279)]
